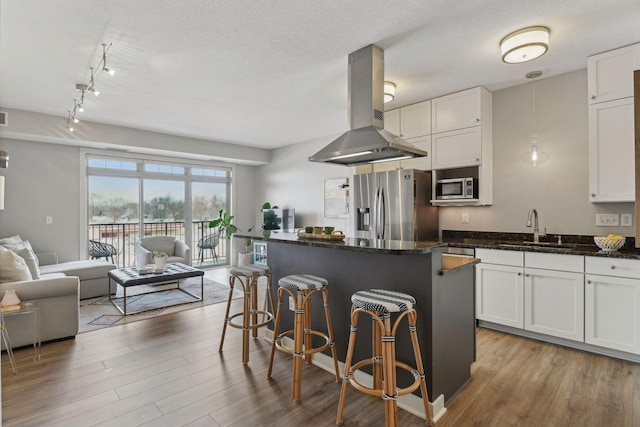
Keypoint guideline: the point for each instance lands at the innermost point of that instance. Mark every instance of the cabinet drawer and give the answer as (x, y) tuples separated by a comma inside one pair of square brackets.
[(613, 267), (554, 261), (496, 256)]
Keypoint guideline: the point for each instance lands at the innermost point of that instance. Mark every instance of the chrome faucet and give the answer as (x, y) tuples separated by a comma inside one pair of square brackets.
[(536, 232)]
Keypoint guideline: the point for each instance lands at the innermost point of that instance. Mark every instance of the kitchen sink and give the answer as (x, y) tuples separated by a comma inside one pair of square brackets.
[(538, 245)]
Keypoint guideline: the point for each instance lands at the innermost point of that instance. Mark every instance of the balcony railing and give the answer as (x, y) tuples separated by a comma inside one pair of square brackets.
[(124, 236)]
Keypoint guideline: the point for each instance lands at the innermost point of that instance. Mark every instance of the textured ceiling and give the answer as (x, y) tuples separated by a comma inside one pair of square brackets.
[(272, 73)]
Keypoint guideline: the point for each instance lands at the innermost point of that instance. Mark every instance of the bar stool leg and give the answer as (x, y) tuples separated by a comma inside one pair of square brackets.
[(298, 338), (327, 314), (268, 297), (412, 317), (307, 326), (246, 320), (276, 330), (347, 364), (376, 346), (232, 281), (389, 395), (253, 288)]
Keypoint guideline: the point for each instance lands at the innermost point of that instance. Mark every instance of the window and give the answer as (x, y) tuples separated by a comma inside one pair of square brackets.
[(130, 198)]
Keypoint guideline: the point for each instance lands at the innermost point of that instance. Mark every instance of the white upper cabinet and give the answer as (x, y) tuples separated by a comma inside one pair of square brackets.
[(610, 74), (611, 151), (460, 110), (611, 124), (458, 148), (415, 120), (420, 163), (411, 121), (392, 121), (461, 129)]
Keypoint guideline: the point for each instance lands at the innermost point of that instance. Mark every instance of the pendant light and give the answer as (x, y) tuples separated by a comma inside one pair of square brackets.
[(535, 155)]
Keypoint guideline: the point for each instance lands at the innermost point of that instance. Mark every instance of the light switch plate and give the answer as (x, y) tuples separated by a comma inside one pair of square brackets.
[(465, 218), (607, 220), (626, 220), (48, 220)]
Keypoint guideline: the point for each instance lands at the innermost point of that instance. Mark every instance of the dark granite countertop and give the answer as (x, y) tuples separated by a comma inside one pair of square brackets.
[(571, 244), (395, 247)]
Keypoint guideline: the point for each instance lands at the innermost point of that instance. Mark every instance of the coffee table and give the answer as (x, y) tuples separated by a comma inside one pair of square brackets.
[(131, 276)]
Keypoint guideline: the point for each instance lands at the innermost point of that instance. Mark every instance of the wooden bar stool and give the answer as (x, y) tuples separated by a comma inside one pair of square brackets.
[(379, 304), (248, 276), (301, 287)]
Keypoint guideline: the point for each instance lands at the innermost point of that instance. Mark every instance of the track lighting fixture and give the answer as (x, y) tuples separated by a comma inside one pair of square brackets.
[(105, 49), (78, 105)]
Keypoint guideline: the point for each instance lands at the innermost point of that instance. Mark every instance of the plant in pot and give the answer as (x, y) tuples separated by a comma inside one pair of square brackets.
[(160, 260), (246, 256), (226, 230)]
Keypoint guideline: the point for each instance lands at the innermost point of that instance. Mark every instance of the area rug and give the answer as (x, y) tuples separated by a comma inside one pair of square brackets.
[(98, 313)]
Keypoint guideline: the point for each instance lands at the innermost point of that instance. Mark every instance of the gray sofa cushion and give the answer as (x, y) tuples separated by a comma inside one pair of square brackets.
[(85, 270)]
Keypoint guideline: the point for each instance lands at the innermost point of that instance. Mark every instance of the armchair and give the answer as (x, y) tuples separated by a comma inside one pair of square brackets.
[(177, 250)]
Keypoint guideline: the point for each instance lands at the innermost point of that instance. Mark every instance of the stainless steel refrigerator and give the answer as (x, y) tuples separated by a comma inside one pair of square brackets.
[(394, 205)]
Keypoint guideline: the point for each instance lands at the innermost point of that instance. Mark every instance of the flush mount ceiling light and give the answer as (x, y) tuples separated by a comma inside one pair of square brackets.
[(78, 103), (525, 44), (389, 91)]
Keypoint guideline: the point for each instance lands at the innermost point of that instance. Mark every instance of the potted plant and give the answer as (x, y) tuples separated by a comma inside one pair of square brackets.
[(223, 224), (246, 256), (160, 260)]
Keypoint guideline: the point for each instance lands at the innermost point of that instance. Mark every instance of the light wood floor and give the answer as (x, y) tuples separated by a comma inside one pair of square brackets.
[(167, 372)]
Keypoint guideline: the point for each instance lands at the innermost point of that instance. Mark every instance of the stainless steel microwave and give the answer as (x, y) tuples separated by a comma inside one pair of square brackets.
[(456, 188)]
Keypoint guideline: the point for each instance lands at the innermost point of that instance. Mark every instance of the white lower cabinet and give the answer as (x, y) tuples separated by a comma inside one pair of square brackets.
[(612, 303), (499, 287), (554, 303), (499, 294), (512, 290)]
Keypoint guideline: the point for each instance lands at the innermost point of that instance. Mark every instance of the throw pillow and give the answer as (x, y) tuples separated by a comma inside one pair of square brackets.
[(12, 239), (25, 250), (13, 268)]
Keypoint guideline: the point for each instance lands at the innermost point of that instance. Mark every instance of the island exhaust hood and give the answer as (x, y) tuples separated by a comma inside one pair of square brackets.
[(366, 141)]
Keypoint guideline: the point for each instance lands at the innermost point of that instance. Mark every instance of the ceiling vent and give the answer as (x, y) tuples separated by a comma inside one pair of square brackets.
[(4, 118)]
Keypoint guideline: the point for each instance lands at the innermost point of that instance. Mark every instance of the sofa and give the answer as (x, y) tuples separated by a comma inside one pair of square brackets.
[(93, 274), (57, 296), (176, 250), (58, 288)]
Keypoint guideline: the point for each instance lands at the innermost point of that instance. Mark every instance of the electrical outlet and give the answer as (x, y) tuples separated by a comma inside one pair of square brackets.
[(604, 220), (465, 218), (48, 220), (626, 220)]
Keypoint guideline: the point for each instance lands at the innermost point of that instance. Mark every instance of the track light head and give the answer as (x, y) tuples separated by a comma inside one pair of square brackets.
[(111, 71)]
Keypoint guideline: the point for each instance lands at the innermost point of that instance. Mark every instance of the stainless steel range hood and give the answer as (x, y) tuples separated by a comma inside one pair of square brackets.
[(366, 141)]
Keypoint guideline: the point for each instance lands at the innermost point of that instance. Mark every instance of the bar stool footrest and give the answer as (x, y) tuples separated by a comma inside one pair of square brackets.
[(378, 392), (268, 318), (305, 351)]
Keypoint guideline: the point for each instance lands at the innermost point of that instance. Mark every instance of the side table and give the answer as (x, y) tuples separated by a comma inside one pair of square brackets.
[(26, 308)]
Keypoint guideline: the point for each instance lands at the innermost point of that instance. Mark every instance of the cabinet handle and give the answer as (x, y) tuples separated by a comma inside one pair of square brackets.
[(593, 194), (589, 282), (613, 267), (519, 274), (477, 120), (593, 97), (527, 275), (477, 160)]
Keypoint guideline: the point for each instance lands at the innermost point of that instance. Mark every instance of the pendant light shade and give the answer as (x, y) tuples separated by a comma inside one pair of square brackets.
[(525, 45), (535, 155)]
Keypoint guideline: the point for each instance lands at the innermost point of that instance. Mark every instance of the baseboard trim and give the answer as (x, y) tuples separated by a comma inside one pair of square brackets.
[(410, 402)]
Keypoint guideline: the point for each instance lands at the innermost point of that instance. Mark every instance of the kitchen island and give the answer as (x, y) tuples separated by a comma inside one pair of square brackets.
[(444, 294)]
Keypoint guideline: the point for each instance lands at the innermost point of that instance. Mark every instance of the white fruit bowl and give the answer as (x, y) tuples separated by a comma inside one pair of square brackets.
[(609, 244)]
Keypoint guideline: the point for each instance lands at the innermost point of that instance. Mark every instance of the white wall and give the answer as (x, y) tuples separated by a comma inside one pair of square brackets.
[(291, 181), (44, 179), (558, 188)]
